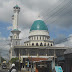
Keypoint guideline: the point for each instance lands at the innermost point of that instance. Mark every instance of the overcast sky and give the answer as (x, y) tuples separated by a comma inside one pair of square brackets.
[(57, 15)]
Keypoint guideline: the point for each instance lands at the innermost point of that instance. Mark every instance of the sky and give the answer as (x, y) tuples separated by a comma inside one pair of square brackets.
[(57, 14)]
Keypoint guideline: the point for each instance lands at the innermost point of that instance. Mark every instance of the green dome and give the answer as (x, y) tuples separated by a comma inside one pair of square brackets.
[(38, 25)]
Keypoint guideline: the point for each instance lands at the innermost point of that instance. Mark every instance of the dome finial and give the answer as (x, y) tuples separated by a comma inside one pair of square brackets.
[(39, 18)]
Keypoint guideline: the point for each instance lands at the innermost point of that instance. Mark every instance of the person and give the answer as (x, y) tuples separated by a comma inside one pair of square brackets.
[(13, 68)]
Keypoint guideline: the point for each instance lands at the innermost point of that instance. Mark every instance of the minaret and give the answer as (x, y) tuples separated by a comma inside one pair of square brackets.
[(15, 31), (16, 14)]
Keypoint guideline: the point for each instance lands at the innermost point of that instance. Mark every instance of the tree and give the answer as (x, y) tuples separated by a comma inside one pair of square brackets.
[(2, 59), (13, 60)]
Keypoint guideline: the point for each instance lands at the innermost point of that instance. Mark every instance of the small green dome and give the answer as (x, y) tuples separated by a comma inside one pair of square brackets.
[(16, 6), (15, 30), (38, 25)]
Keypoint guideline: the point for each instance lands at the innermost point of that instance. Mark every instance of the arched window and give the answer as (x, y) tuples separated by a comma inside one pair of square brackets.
[(48, 44), (41, 44), (51, 44), (27, 44), (36, 44), (32, 44), (44, 44)]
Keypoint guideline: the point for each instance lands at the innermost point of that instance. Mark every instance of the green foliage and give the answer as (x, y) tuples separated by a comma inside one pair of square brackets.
[(13, 60), (2, 59)]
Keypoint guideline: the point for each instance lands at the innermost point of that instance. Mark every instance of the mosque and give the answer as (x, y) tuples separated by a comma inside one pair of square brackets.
[(39, 47)]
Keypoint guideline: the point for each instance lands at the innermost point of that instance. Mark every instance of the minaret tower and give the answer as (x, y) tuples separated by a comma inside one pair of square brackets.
[(15, 31)]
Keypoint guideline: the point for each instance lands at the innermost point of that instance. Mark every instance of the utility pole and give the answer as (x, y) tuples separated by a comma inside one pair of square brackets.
[(53, 62), (31, 63)]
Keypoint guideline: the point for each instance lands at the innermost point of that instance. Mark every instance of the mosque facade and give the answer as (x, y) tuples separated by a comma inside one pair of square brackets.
[(38, 47)]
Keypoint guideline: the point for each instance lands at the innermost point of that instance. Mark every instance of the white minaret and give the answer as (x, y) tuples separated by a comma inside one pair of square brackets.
[(16, 14), (15, 32)]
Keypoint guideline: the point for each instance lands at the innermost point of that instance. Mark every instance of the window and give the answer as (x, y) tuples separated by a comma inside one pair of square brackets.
[(41, 44), (48, 44), (37, 37), (16, 37), (32, 44), (32, 38), (40, 37), (43, 37), (27, 44), (36, 44), (44, 44), (51, 44), (16, 42)]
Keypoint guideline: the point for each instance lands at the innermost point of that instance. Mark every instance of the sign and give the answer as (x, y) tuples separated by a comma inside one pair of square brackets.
[(28, 64), (58, 69)]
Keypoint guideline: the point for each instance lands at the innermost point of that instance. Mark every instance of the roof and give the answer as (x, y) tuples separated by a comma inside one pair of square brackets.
[(39, 25), (16, 6), (37, 59), (68, 51), (15, 30), (39, 47)]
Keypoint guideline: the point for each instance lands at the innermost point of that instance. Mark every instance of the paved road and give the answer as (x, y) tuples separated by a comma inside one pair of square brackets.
[(3, 71)]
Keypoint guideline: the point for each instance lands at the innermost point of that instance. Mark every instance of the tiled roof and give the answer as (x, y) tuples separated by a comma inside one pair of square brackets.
[(37, 59)]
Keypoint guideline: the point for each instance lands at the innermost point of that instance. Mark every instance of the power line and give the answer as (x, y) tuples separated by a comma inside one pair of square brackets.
[(64, 40), (69, 3), (60, 15), (51, 10), (54, 8)]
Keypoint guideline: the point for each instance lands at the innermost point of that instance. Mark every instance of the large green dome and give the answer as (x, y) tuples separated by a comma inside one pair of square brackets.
[(38, 25)]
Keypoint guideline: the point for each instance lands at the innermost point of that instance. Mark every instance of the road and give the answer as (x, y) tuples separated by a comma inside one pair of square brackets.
[(3, 70)]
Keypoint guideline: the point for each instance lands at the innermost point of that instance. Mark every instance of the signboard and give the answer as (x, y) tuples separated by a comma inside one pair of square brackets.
[(58, 69), (28, 64)]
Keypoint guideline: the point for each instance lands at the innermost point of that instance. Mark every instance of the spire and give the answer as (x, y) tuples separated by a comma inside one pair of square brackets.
[(39, 18)]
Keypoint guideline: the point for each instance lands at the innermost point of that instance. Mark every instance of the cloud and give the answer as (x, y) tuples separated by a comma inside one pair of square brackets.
[(55, 12), (24, 35), (4, 47), (66, 43)]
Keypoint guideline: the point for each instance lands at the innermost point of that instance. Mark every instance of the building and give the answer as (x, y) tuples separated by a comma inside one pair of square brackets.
[(39, 47), (66, 60)]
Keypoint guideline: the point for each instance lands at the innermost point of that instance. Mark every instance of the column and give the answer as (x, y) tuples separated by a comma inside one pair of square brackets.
[(19, 54)]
